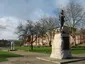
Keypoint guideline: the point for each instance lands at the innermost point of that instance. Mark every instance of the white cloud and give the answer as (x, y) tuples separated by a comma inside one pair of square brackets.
[(8, 35), (10, 24), (61, 3)]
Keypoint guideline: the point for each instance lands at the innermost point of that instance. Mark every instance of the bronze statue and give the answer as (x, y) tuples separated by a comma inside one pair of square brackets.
[(62, 19)]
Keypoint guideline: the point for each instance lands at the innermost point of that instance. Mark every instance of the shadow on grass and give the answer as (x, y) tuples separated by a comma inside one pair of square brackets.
[(3, 59), (43, 49), (4, 55)]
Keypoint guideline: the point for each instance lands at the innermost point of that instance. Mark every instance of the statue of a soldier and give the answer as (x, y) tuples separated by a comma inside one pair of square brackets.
[(61, 18)]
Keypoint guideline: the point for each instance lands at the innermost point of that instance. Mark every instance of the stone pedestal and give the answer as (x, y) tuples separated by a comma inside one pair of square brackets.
[(61, 46)]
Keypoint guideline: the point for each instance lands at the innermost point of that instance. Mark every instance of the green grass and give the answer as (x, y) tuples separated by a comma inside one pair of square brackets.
[(47, 50), (78, 49), (4, 55)]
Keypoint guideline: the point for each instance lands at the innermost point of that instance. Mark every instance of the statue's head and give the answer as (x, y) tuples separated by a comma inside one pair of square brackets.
[(62, 11)]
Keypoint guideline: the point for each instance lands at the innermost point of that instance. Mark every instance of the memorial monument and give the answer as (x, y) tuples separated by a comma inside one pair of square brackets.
[(12, 46), (61, 43)]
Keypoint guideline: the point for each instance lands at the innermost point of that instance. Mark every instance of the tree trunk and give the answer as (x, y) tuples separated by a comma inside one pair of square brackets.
[(31, 42), (31, 46), (50, 43)]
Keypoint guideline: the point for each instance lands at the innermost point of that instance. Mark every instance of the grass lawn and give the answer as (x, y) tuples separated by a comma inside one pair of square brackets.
[(42, 50), (78, 50), (74, 50), (4, 55)]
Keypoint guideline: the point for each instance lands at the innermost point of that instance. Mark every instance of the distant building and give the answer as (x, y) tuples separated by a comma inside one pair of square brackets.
[(44, 41)]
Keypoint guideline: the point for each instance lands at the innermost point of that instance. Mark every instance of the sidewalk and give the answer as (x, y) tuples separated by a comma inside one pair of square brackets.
[(29, 58)]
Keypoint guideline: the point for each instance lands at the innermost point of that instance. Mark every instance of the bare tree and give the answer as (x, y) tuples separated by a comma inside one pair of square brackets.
[(74, 14), (40, 30), (27, 32), (49, 24), (20, 31)]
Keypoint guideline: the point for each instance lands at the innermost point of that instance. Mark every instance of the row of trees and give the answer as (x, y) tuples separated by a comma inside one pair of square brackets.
[(74, 17), (39, 29), (4, 43)]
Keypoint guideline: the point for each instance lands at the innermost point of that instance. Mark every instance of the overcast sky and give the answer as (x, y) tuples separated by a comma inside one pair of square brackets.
[(14, 11)]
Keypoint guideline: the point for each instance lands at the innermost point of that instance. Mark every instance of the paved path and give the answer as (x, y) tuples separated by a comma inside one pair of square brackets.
[(30, 58)]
